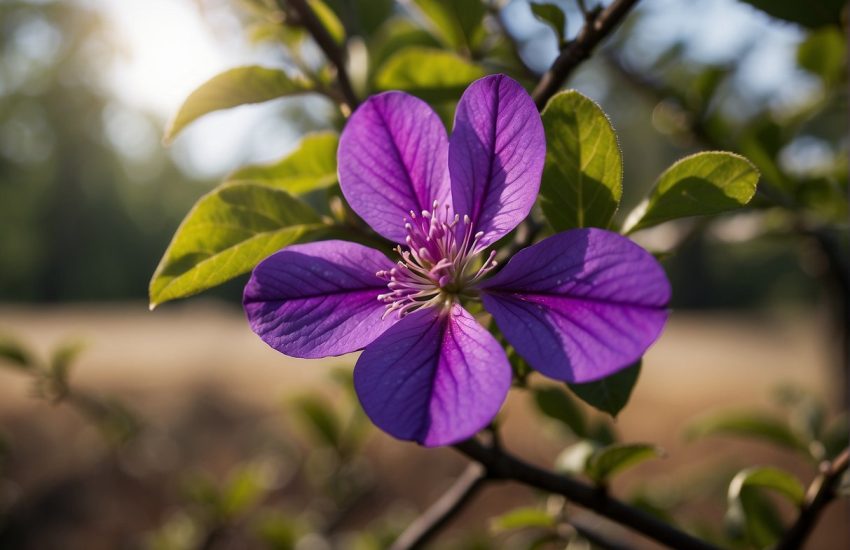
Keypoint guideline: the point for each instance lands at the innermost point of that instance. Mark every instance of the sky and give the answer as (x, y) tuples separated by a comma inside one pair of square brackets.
[(172, 46)]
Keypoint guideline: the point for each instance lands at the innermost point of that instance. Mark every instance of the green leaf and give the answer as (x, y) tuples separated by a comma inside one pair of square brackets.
[(552, 15), (522, 518), (318, 417), (433, 75), (329, 19), (556, 404), (232, 88), (824, 53), (226, 234), (458, 23), (610, 394), (583, 174), (14, 354), (609, 460), (768, 478), (811, 13), (699, 185), (311, 166), (395, 35), (753, 517), (747, 424)]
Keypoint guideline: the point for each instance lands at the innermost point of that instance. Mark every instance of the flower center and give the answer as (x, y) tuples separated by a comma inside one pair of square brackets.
[(438, 263)]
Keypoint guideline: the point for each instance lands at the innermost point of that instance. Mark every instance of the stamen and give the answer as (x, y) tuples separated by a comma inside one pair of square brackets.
[(436, 264)]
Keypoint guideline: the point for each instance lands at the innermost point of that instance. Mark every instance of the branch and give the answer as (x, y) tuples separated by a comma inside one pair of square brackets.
[(821, 493), (429, 523), (598, 25), (501, 465), (308, 18)]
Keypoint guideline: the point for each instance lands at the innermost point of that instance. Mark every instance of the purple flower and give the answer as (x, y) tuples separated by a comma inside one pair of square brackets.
[(578, 306)]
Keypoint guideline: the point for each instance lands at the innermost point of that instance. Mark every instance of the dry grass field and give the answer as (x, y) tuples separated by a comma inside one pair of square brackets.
[(196, 367)]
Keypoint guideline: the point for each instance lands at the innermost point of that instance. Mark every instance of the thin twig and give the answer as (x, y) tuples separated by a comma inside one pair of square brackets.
[(599, 24), (502, 465), (821, 492), (442, 511), (308, 18)]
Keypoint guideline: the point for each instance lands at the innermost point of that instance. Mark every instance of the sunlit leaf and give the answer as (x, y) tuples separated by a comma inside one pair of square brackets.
[(609, 460), (433, 75), (582, 178), (574, 459), (232, 88), (329, 19), (226, 234), (556, 404), (750, 514), (750, 424), (457, 22), (754, 518), (768, 478), (522, 518), (311, 166), (610, 394), (698, 185), (552, 15), (395, 35)]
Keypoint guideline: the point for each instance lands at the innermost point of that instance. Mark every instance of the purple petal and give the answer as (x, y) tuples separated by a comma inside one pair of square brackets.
[(318, 299), (436, 377), (580, 305), (393, 159), (496, 155)]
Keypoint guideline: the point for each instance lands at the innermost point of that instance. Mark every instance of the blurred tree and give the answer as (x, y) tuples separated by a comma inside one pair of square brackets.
[(87, 197)]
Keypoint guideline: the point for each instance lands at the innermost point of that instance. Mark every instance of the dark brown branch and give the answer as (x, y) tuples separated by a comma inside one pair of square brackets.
[(310, 21), (599, 24), (442, 511), (821, 492), (501, 465)]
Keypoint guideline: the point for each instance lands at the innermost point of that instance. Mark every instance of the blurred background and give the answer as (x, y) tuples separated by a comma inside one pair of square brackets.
[(178, 428)]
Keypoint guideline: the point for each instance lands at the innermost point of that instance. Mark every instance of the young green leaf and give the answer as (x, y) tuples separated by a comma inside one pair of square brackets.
[(458, 23), (556, 404), (433, 75), (319, 418), (522, 518), (609, 460), (824, 53), (14, 354), (232, 88), (311, 166), (753, 517), (329, 20), (395, 35), (610, 394), (226, 234), (769, 478), (552, 15), (747, 424), (582, 177), (699, 185)]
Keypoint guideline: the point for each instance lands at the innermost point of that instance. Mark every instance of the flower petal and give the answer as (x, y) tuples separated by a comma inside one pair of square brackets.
[(580, 305), (496, 155), (392, 159), (436, 377), (318, 299)]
